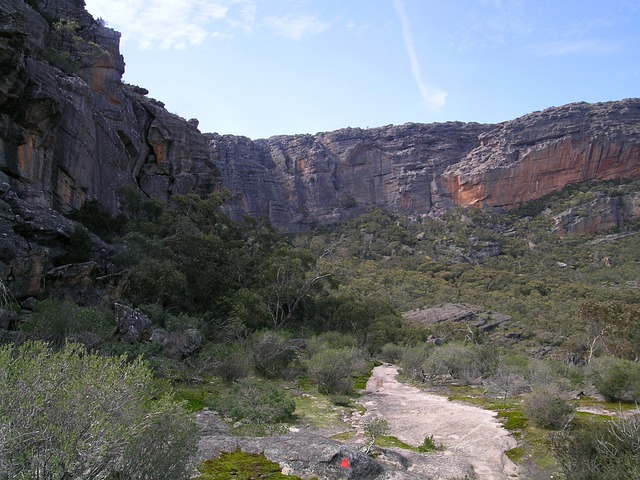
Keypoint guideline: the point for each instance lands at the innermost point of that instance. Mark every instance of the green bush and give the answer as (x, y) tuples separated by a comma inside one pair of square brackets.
[(330, 339), (459, 362), (73, 414), (271, 353), (56, 322), (79, 248), (332, 369), (545, 408), (616, 379), (391, 353), (429, 445), (413, 359), (230, 362), (255, 403), (600, 451)]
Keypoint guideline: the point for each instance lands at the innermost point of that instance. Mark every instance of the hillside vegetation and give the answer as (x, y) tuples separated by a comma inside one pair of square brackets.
[(251, 319)]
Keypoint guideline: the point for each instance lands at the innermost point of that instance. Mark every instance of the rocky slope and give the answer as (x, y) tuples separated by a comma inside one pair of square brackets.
[(72, 131)]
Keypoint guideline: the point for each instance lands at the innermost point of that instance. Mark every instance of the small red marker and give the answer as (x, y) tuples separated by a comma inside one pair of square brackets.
[(345, 463)]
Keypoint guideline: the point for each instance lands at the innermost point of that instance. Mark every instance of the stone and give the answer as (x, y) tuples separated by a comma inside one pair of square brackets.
[(183, 344), (8, 319), (303, 454), (133, 325)]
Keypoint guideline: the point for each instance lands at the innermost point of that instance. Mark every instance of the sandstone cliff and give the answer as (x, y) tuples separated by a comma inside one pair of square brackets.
[(72, 131), (543, 152)]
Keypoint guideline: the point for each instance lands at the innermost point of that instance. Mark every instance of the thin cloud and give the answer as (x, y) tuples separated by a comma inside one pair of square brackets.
[(295, 27), (172, 24), (432, 97)]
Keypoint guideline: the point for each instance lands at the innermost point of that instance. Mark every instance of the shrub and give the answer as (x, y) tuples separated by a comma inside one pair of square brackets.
[(332, 369), (375, 428), (413, 358), (59, 321), (254, 403), (229, 362), (329, 340), (506, 382), (545, 408), (459, 362), (73, 414), (271, 353), (429, 445), (391, 353), (607, 451), (616, 379)]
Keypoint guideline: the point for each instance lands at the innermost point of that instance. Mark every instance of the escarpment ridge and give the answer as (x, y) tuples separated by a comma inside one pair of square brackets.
[(72, 131)]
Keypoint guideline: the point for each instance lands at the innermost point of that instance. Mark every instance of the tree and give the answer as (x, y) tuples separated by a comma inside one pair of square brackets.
[(287, 283), (73, 414)]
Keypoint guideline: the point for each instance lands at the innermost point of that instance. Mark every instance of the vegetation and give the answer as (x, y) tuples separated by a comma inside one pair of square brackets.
[(255, 403), (545, 408), (73, 414), (242, 466), (289, 323), (375, 428), (608, 450)]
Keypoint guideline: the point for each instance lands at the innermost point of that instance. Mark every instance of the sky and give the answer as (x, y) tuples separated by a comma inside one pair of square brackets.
[(261, 68)]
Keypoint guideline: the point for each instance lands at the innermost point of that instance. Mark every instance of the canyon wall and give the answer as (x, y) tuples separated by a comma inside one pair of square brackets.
[(72, 131)]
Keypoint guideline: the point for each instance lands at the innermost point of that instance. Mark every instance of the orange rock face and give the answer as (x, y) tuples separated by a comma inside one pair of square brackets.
[(519, 161)]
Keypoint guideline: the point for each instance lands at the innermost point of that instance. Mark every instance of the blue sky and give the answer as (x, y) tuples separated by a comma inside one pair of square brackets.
[(267, 67)]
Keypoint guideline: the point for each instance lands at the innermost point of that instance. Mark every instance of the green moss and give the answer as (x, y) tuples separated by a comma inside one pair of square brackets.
[(344, 436), (194, 396), (391, 441), (428, 445), (514, 419), (242, 466), (360, 382), (515, 454)]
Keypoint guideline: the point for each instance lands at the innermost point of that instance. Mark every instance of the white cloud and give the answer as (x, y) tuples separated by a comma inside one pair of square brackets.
[(295, 27), (173, 24), (432, 97)]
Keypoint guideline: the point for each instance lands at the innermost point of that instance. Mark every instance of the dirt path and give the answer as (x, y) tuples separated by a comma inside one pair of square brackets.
[(466, 431)]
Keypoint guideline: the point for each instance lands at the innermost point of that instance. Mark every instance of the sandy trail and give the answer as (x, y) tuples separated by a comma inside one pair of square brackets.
[(466, 431)]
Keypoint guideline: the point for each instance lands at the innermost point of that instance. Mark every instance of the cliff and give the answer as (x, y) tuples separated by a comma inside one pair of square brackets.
[(72, 131)]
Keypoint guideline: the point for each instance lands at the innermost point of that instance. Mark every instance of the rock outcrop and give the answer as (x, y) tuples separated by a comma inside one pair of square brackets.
[(543, 152), (71, 131)]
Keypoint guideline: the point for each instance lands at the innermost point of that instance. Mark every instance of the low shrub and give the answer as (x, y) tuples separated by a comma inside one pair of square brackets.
[(413, 358), (459, 362), (616, 379), (332, 369), (391, 353), (74, 414), (255, 403), (545, 408), (598, 450)]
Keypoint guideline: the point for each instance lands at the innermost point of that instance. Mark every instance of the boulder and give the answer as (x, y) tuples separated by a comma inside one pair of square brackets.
[(133, 325), (303, 454)]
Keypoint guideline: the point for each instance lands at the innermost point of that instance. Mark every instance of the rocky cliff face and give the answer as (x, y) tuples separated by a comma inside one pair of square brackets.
[(543, 152), (72, 131), (303, 180)]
